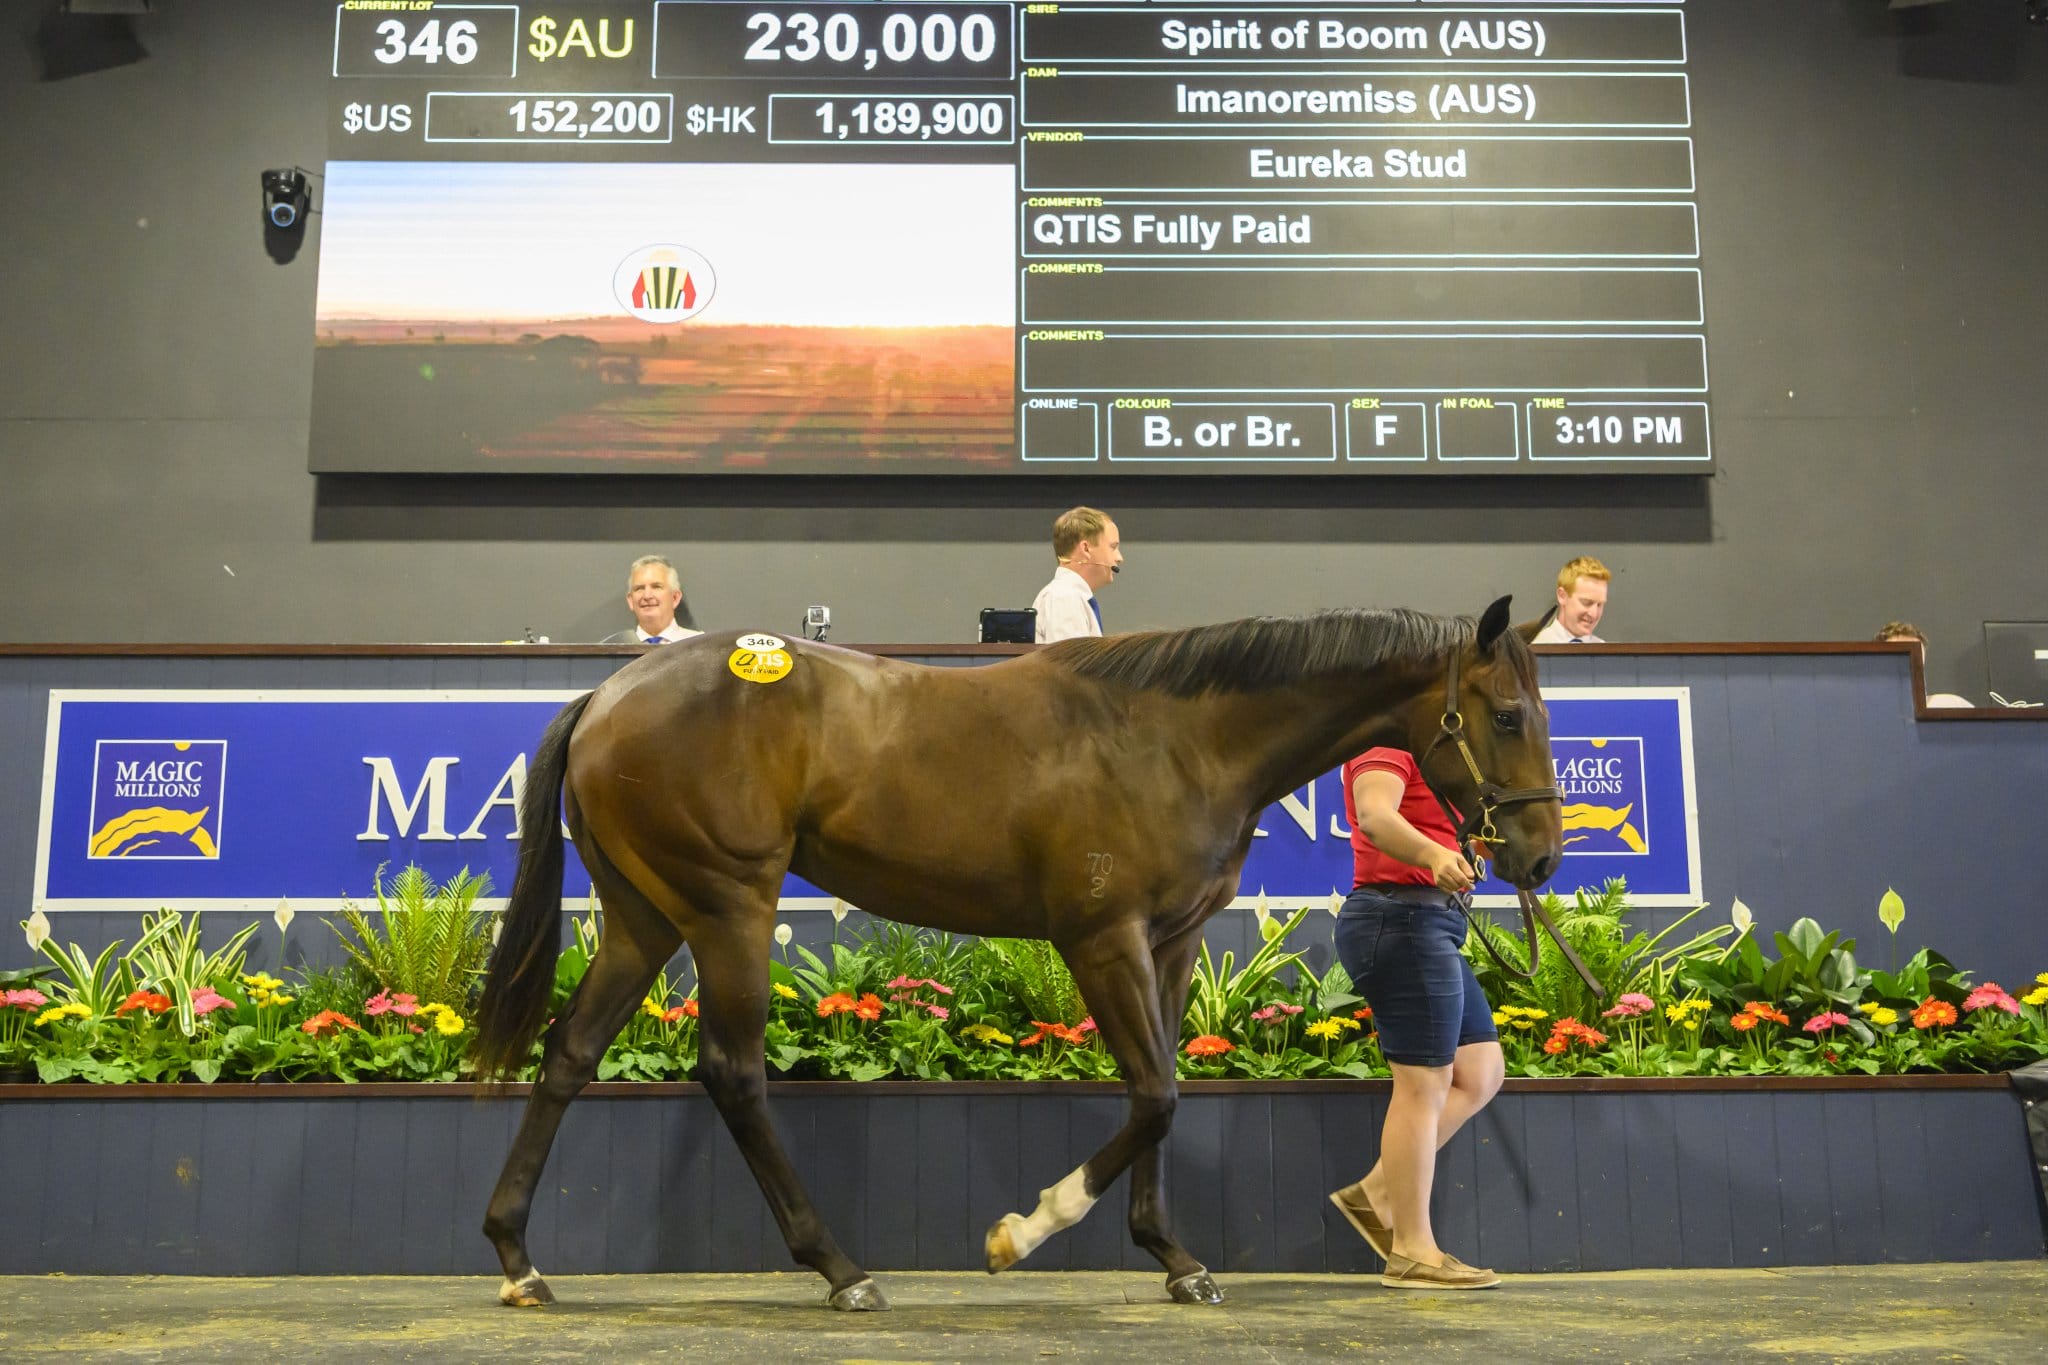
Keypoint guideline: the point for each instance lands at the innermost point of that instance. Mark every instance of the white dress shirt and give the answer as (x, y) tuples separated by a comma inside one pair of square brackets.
[(1063, 610), (1556, 634)]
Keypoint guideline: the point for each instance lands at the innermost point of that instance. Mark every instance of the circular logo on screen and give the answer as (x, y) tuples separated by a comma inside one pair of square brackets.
[(664, 283)]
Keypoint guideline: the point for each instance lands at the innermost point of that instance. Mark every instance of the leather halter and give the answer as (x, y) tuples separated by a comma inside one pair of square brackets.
[(1479, 825)]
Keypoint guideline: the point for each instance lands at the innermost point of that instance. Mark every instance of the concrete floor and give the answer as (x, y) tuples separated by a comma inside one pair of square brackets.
[(1987, 1311)]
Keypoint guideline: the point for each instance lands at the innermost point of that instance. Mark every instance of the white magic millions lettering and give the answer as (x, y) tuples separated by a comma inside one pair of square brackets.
[(431, 793)]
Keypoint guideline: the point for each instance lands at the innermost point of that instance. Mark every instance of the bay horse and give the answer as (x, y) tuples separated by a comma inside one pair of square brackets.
[(1099, 793)]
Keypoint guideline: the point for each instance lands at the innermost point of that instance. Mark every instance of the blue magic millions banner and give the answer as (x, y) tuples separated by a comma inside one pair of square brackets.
[(240, 799)]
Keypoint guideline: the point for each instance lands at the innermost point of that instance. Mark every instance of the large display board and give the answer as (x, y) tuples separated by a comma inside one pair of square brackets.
[(727, 236)]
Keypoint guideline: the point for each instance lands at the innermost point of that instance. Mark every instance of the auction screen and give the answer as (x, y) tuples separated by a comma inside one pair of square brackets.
[(898, 238)]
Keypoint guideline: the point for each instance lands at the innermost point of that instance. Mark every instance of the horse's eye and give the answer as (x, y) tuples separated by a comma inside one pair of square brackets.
[(1510, 721)]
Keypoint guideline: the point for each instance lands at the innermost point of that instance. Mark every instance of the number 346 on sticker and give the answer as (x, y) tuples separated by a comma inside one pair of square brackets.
[(760, 659)]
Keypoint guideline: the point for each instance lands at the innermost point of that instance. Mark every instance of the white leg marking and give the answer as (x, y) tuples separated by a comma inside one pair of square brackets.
[(513, 1294), (1062, 1206)]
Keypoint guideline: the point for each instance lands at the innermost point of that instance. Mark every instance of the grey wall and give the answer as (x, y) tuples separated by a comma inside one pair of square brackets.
[(1873, 193)]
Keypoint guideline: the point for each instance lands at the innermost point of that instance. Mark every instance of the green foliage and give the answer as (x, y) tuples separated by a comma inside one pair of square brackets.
[(1814, 971), (427, 941), (169, 958), (1622, 961), (1221, 1000), (1036, 977), (893, 1001), (100, 984)]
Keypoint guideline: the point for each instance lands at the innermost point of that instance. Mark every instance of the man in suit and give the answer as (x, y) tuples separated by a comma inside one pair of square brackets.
[(654, 592), (1089, 551), (1581, 602)]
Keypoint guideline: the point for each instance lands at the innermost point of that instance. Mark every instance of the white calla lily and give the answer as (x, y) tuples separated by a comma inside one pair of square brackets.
[(1741, 917), (37, 926), (839, 909), (284, 915), (1336, 903), (783, 934)]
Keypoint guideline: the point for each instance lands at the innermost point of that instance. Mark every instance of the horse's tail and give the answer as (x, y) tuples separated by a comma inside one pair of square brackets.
[(521, 978)]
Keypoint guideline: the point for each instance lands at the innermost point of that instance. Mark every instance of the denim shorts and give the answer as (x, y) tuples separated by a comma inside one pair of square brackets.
[(1403, 958)]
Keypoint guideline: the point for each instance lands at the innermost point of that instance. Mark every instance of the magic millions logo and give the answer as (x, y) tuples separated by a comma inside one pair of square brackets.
[(664, 283), (157, 798), (1601, 781)]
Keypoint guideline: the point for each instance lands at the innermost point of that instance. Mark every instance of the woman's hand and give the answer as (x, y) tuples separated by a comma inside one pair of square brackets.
[(1449, 869)]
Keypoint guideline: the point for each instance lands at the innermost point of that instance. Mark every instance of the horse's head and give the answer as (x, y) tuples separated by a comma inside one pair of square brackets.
[(1489, 701)]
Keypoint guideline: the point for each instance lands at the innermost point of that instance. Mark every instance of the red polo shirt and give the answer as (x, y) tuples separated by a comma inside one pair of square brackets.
[(1418, 807)]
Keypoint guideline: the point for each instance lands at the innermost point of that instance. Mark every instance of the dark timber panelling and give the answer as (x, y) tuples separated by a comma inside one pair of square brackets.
[(1540, 1182)]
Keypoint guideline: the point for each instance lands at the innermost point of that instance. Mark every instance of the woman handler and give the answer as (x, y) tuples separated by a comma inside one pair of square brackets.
[(1398, 936)]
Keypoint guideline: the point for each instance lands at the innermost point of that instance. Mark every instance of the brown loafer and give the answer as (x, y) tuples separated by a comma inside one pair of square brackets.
[(1357, 1211), (1402, 1273)]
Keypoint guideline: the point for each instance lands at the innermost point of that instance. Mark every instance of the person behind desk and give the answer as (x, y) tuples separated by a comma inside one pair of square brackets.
[(1090, 553), (1895, 631), (1581, 602), (654, 591)]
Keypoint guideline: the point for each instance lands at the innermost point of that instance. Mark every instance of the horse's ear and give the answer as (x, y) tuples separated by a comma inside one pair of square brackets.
[(1492, 623), (1529, 630)]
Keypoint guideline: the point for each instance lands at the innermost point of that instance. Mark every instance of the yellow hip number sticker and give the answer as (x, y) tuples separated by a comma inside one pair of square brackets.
[(760, 665)]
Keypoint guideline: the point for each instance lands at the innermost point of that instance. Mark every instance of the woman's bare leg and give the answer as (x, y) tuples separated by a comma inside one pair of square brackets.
[(1429, 1106)]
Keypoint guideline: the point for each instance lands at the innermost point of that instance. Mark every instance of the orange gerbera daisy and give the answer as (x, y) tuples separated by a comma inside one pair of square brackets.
[(1934, 1013), (868, 1007), (1066, 1033), (1209, 1045), (839, 1002), (1743, 1023), (327, 1023)]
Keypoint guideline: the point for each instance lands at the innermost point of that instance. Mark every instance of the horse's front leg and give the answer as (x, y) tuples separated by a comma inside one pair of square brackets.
[(1187, 1279), (1113, 968)]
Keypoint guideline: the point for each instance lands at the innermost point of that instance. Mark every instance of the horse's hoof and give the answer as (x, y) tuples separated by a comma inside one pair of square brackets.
[(862, 1296), (1199, 1287), (1001, 1246), (530, 1292)]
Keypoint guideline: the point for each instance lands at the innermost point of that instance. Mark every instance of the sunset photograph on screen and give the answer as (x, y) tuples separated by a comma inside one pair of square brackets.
[(546, 317)]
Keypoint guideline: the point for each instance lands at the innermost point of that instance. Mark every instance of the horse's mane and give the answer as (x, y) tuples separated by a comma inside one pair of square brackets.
[(1269, 651)]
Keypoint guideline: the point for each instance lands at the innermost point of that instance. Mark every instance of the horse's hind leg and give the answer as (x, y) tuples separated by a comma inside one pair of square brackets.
[(636, 942), (1187, 1279), (732, 984)]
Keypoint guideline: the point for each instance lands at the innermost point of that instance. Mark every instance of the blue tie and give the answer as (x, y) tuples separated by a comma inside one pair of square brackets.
[(1096, 607), (654, 639)]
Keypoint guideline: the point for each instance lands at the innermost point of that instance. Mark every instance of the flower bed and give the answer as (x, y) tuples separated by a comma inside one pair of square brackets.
[(895, 1002)]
